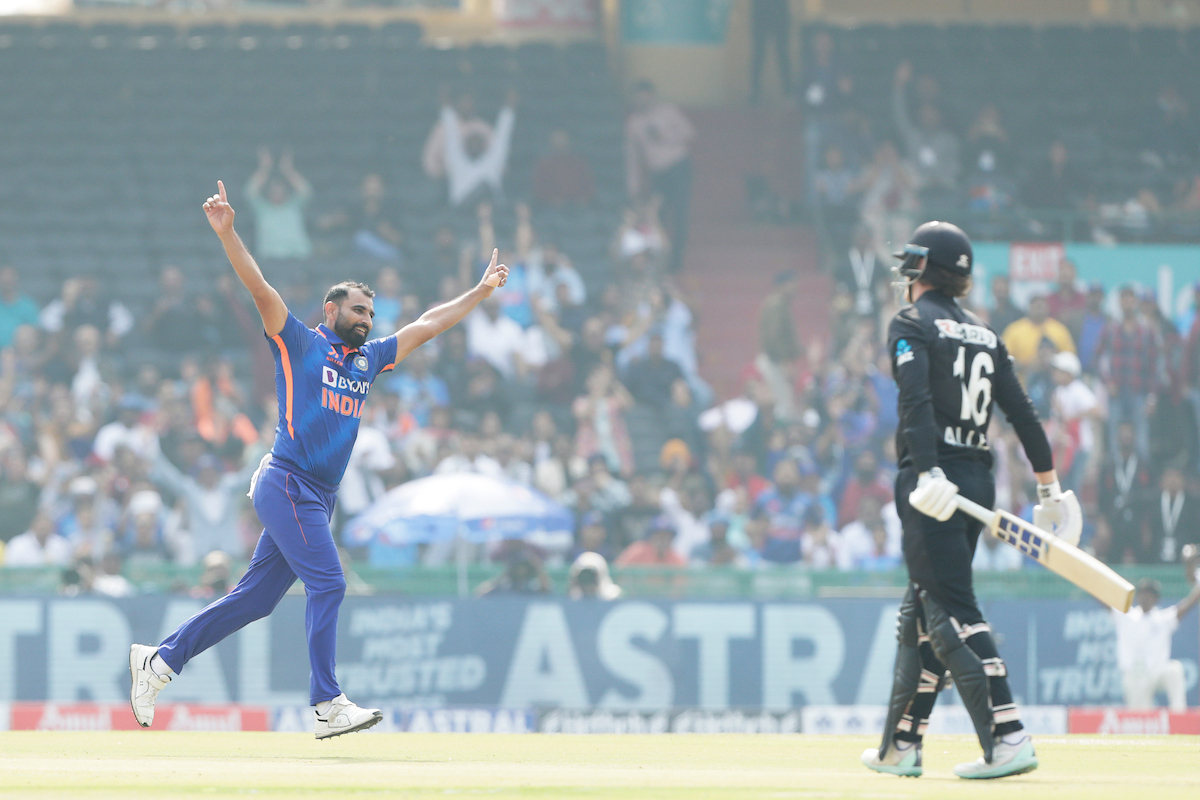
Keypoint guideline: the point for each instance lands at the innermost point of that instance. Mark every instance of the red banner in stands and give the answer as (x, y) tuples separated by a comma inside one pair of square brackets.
[(1125, 720), (91, 717), (1035, 261)]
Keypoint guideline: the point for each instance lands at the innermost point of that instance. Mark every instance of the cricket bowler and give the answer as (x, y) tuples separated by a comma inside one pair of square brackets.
[(950, 367), (322, 376)]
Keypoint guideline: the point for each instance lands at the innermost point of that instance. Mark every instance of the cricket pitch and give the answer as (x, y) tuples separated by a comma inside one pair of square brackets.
[(218, 765)]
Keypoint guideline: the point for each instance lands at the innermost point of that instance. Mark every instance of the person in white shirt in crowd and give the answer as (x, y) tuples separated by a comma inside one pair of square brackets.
[(470, 458), (472, 160), (589, 579), (1073, 407), (1144, 645), (470, 125), (81, 303), (212, 500), (494, 337), (39, 546), (509, 458), (548, 268), (687, 509), (871, 541), (128, 431), (820, 544)]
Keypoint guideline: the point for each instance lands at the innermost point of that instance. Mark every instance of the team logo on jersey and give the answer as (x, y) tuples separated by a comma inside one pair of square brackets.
[(329, 377), (360, 363), (904, 352), (965, 332)]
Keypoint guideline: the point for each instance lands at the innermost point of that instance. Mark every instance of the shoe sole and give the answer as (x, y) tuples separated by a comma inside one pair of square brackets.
[(1019, 768), (373, 721), (133, 686), (902, 772)]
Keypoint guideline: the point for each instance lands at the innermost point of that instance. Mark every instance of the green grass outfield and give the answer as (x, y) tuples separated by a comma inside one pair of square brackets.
[(143, 764)]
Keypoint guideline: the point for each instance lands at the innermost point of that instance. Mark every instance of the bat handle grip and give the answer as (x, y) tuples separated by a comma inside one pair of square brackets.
[(971, 508)]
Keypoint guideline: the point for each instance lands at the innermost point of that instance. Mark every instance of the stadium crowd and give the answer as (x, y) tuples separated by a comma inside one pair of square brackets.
[(130, 431)]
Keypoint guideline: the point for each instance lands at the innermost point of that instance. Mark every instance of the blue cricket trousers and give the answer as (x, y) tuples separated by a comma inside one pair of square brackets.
[(295, 509)]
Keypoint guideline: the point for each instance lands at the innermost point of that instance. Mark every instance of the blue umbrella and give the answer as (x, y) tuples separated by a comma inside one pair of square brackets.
[(477, 508)]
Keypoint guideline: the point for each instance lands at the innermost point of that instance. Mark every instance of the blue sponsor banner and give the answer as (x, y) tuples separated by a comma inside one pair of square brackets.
[(541, 653)]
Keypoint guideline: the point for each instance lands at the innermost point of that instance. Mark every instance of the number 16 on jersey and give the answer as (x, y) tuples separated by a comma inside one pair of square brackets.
[(975, 409)]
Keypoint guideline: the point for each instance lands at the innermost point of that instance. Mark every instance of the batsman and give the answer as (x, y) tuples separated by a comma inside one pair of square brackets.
[(950, 367)]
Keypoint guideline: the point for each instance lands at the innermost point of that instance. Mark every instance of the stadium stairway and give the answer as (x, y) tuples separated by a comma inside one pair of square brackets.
[(731, 259)]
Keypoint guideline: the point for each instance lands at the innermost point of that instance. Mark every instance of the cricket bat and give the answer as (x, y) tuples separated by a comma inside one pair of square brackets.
[(1081, 569)]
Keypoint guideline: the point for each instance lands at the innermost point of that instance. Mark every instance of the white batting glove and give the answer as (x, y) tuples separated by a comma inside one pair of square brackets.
[(934, 495), (1058, 512)]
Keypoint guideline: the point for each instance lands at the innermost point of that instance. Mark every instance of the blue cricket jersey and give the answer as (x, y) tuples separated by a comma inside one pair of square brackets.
[(322, 385)]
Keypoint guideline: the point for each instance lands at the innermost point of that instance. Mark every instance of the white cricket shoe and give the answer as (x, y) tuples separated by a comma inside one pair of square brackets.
[(145, 683), (345, 717), (1015, 758), (904, 762)]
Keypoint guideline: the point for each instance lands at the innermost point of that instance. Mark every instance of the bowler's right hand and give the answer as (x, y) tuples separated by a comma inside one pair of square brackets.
[(934, 495), (219, 212)]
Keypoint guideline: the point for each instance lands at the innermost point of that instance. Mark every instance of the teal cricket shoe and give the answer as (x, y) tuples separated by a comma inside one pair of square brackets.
[(1007, 759), (904, 762)]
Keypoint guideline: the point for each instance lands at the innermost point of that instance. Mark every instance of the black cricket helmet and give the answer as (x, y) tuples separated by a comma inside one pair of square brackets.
[(940, 243)]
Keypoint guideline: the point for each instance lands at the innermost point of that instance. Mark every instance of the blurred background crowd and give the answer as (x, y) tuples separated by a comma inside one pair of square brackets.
[(137, 391)]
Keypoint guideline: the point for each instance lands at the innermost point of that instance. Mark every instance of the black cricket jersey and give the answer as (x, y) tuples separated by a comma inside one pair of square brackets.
[(950, 367)]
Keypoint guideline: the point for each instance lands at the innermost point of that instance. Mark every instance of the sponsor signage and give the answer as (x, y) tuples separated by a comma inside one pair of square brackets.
[(1128, 720), (108, 717), (552, 653)]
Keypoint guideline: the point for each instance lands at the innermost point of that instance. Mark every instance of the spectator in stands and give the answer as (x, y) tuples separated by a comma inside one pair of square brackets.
[(650, 378), (608, 494), (655, 550), (592, 536), (770, 23), (871, 540), (600, 420), (83, 303), (1024, 336), (420, 390), (371, 223), (278, 205), (89, 522), (217, 578), (1056, 183), (837, 187), (889, 198), (473, 161), (718, 551), (588, 578), (1173, 434), (687, 507), (1074, 411), (16, 307), (778, 342), (820, 545), (1093, 323), (784, 506), (470, 125), (176, 324), (212, 500), (107, 579), (867, 480), (494, 337), (39, 546), (989, 182), (1002, 311), (658, 144), (550, 270), (863, 272), (1144, 647), (932, 149), (1129, 363), (1124, 490), (524, 573), (562, 176), (126, 431), (1170, 130), (151, 535), (1068, 302), (1174, 520), (470, 458), (19, 493), (640, 234)]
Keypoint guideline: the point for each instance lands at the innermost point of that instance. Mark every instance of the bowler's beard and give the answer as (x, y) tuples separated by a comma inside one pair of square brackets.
[(349, 334)]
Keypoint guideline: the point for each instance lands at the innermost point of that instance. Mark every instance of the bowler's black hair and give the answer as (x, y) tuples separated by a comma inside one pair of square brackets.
[(338, 292), (951, 284)]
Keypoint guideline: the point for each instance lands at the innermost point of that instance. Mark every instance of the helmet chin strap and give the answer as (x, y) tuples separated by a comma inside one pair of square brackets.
[(908, 272)]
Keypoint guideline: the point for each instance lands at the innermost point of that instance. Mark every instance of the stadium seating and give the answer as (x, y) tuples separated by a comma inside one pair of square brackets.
[(115, 134)]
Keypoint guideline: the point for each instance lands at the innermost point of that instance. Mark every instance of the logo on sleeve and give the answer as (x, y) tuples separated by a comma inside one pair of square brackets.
[(904, 352)]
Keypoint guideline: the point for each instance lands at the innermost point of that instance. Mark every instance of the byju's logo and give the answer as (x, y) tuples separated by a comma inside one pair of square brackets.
[(329, 377)]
